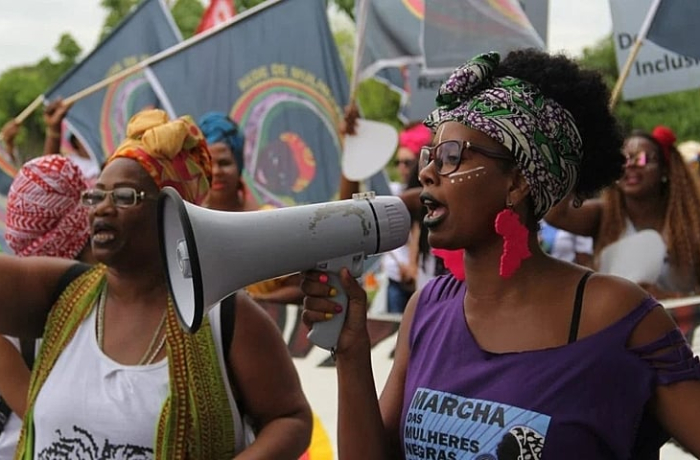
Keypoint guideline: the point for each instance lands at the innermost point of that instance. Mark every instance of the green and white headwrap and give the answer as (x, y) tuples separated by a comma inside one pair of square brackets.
[(538, 131)]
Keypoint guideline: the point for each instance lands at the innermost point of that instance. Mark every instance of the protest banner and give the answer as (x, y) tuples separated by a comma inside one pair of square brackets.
[(647, 69), (98, 118)]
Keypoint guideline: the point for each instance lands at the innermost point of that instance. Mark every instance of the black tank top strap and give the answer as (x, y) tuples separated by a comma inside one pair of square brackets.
[(578, 305)]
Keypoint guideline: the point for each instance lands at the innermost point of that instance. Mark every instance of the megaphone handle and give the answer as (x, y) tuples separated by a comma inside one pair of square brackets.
[(326, 333)]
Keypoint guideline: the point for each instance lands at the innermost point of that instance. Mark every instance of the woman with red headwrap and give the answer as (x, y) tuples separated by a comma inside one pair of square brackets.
[(657, 191), (44, 218), (116, 376)]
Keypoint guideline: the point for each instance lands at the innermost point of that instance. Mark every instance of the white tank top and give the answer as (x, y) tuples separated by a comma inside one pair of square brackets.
[(93, 407)]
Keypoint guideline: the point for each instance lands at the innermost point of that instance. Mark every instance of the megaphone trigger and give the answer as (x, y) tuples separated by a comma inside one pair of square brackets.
[(326, 334)]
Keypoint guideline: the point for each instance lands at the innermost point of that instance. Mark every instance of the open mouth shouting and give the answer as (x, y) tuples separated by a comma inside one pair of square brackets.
[(103, 234), (436, 210)]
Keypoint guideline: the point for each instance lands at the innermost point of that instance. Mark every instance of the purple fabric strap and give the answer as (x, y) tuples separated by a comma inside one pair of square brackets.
[(672, 358)]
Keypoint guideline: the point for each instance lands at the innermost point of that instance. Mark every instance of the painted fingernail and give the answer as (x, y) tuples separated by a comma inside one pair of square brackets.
[(338, 308), (328, 316), (323, 278), (332, 292)]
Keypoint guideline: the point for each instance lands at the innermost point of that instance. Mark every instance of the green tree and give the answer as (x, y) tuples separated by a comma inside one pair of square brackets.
[(116, 11), (347, 6), (187, 15), (680, 111), (68, 49), (19, 86)]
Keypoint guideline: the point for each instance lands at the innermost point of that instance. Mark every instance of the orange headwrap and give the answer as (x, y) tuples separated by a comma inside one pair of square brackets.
[(173, 152)]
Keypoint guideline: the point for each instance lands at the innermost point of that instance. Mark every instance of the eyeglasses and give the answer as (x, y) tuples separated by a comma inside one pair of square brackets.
[(122, 197), (407, 163), (640, 159), (447, 155)]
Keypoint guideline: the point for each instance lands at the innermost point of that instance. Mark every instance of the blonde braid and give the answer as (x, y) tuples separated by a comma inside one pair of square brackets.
[(682, 221)]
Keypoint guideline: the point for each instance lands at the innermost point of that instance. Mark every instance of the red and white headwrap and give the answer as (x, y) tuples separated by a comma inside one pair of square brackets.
[(44, 214)]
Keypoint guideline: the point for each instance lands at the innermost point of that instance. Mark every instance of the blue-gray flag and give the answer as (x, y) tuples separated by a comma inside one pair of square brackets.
[(391, 35), (99, 120), (455, 31), (537, 12), (675, 27), (277, 73)]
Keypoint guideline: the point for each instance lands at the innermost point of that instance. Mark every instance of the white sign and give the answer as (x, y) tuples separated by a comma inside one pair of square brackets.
[(655, 70)]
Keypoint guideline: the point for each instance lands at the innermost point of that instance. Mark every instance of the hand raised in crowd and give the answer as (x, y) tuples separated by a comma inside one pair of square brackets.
[(349, 124), (7, 136), (54, 113), (9, 131)]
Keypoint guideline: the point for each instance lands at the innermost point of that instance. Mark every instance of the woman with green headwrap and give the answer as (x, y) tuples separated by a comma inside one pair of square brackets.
[(116, 377), (530, 357)]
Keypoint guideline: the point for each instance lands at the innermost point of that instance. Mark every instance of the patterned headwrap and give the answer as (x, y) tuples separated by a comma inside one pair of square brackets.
[(44, 214), (538, 131), (174, 153), (218, 127)]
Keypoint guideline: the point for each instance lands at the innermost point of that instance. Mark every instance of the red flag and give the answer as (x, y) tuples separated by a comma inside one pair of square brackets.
[(217, 12)]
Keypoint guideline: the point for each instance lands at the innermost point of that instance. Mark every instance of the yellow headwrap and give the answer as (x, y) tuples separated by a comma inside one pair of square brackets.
[(173, 152)]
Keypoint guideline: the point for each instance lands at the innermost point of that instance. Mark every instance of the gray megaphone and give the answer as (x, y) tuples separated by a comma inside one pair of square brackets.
[(210, 254)]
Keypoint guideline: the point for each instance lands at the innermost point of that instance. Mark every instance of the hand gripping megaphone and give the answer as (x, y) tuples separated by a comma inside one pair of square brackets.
[(210, 254)]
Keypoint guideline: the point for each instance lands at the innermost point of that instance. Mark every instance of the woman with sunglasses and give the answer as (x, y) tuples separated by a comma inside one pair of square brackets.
[(401, 265), (657, 191), (116, 376), (530, 357)]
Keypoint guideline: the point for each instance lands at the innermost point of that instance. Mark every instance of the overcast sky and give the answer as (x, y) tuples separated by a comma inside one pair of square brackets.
[(29, 29)]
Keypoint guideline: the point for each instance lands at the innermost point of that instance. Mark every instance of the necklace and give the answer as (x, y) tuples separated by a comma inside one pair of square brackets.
[(151, 352)]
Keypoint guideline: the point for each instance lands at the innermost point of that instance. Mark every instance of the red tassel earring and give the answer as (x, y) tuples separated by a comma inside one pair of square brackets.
[(515, 236)]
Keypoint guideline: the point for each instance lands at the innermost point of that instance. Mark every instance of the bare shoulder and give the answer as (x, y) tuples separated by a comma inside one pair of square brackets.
[(607, 299), (251, 317)]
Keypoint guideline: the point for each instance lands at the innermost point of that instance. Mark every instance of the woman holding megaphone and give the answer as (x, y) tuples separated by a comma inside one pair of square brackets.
[(530, 357), (116, 375)]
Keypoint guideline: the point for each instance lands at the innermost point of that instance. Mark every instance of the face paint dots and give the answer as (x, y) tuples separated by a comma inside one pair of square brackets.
[(467, 175)]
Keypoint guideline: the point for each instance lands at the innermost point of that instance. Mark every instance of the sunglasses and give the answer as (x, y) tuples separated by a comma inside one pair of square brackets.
[(640, 159), (448, 155), (122, 197), (407, 163)]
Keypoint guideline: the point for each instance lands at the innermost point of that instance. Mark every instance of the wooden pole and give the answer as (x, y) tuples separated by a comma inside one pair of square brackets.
[(29, 109), (615, 96), (165, 53), (359, 48), (347, 187)]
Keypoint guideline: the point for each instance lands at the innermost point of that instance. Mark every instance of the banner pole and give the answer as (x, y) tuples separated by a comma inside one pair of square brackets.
[(615, 96), (359, 48), (169, 52), (29, 109)]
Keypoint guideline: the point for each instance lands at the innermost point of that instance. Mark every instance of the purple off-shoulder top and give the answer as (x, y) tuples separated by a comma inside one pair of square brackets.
[(585, 400)]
